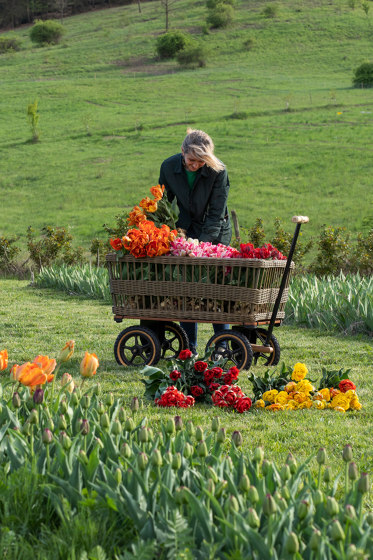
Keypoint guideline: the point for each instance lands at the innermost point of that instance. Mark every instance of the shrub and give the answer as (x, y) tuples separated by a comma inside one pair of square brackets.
[(282, 240), (8, 252), (364, 75), (170, 43), (270, 11), (9, 43), (221, 16), (193, 55), (54, 246), (46, 32), (362, 257), (212, 4), (333, 251)]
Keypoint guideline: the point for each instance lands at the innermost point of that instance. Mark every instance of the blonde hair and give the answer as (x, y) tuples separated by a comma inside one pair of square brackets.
[(200, 145)]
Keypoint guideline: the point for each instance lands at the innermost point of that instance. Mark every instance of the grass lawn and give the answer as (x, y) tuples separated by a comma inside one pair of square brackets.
[(39, 321), (110, 112)]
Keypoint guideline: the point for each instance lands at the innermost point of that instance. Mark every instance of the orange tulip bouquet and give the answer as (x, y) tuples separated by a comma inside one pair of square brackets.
[(153, 227)]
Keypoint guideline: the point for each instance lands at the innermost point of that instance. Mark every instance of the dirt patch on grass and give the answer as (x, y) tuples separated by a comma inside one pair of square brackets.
[(145, 65)]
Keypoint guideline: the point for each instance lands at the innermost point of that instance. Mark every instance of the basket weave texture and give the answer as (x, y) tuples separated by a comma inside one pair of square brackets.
[(199, 289)]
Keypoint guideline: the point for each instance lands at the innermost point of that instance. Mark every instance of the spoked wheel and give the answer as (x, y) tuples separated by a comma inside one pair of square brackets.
[(258, 337), (137, 346), (233, 348), (175, 340)]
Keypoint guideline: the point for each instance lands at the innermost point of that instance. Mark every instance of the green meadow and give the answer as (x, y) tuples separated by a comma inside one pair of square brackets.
[(295, 135)]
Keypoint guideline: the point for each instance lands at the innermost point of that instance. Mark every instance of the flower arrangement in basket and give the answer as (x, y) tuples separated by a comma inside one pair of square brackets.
[(189, 380), (153, 227), (291, 390)]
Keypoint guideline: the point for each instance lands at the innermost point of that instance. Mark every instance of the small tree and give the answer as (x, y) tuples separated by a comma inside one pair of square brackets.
[(33, 119), (47, 32), (169, 44), (364, 75)]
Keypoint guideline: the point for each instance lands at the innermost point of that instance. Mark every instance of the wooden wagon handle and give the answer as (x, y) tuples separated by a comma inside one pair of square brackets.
[(300, 219)]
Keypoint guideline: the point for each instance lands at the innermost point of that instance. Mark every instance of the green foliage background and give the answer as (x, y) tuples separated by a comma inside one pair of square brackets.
[(110, 112)]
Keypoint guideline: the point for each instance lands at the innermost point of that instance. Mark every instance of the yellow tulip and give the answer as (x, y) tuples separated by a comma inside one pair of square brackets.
[(3, 360), (89, 365), (67, 351)]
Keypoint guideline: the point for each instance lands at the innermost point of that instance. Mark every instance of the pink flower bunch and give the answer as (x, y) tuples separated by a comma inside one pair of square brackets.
[(182, 247), (267, 251)]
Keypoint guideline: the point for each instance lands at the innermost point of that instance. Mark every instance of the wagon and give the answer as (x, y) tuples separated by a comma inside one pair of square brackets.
[(249, 294)]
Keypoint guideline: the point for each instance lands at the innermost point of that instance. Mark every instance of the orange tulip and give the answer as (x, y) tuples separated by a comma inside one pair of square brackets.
[(148, 204), (13, 372), (136, 216), (89, 365), (3, 360), (68, 350), (45, 364), (157, 192), (30, 375)]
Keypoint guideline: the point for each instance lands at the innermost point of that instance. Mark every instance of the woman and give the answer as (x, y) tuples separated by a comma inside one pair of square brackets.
[(199, 181)]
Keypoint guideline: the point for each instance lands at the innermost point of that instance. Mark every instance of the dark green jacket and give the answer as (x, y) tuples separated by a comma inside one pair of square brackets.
[(203, 209)]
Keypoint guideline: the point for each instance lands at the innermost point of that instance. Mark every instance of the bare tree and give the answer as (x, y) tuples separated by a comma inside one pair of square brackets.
[(167, 7)]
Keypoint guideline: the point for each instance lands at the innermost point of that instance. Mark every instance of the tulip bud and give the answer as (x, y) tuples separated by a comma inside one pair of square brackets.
[(86, 401), (231, 505), (327, 475), (62, 424), (190, 428), (16, 400), (220, 488), (315, 540), (292, 544), (188, 450), (202, 449), (168, 457), (363, 483), (253, 519), (129, 425), (369, 519), (213, 474), (143, 435), (65, 440), (347, 453), (67, 382), (84, 427), (285, 473), (125, 450), (291, 461), (178, 423), (99, 443), (180, 497), (170, 426), (321, 456), (74, 399), (210, 486), (352, 553), (253, 495), (332, 506), (199, 433), (176, 462), (258, 454), (269, 505), (336, 532), (285, 493), (302, 509), (66, 352), (353, 473), (116, 428), (135, 405), (215, 424), (281, 502), (122, 414), (101, 408), (26, 429), (83, 457), (266, 467), (142, 461), (237, 438), (221, 435), (105, 421), (118, 476), (156, 458), (318, 497), (38, 396), (89, 365), (244, 483), (34, 416), (350, 511), (109, 399)]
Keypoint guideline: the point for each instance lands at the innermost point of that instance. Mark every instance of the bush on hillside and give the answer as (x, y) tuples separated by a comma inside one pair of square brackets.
[(212, 4), (221, 16), (54, 246), (47, 32), (9, 44), (170, 43), (193, 55), (333, 252), (271, 11), (364, 75)]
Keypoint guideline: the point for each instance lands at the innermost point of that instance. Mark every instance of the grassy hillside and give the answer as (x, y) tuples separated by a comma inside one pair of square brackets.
[(110, 113)]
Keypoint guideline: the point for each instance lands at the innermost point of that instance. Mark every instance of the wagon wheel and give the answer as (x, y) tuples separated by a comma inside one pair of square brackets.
[(265, 359), (233, 348), (175, 340), (137, 346)]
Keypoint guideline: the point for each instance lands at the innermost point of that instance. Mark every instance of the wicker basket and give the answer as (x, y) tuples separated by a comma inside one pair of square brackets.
[(198, 289)]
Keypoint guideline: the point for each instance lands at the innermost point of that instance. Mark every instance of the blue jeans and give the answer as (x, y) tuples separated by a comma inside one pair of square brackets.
[(191, 330)]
